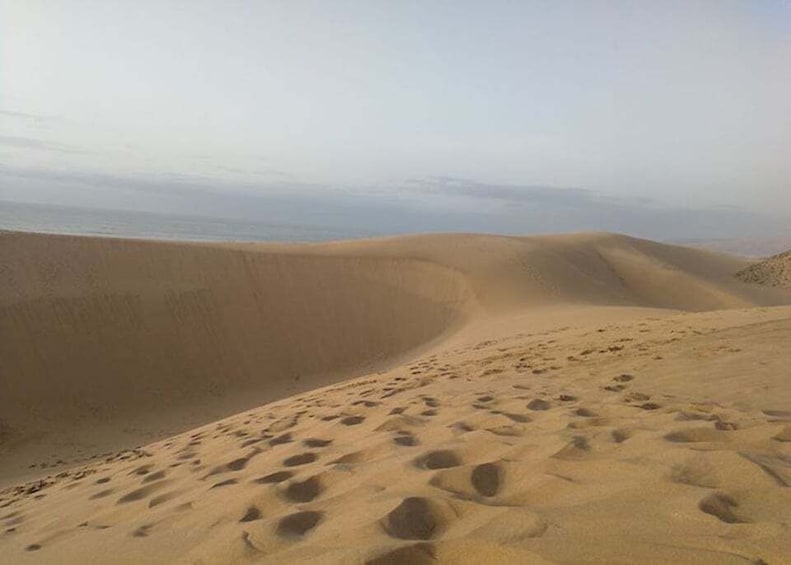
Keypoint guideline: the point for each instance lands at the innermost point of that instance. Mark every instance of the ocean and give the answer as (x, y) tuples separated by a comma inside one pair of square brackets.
[(46, 218)]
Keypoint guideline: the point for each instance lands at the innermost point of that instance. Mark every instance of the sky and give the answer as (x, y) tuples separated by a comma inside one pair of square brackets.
[(451, 115)]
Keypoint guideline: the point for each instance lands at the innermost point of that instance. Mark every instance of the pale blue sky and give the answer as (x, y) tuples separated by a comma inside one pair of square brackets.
[(681, 103)]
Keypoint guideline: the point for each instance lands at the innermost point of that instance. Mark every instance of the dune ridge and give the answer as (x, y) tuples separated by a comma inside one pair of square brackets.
[(147, 338), (99, 330), (539, 399)]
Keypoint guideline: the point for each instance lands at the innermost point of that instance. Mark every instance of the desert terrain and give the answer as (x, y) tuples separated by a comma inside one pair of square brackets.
[(583, 398)]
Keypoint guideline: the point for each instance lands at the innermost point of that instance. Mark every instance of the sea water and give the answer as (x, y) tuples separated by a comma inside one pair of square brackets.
[(46, 218)]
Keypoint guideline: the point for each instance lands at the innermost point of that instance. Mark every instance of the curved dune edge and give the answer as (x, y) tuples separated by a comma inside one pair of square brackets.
[(662, 439), (112, 343), (511, 425)]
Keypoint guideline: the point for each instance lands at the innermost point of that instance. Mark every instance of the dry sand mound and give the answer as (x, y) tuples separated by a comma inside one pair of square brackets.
[(534, 400), (110, 343), (658, 440), (774, 271), (116, 339)]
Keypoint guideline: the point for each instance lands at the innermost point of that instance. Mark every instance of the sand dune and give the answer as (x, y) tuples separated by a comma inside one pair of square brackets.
[(139, 337), (580, 398), (774, 271)]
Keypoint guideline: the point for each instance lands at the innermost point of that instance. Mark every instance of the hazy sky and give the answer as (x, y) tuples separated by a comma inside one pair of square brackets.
[(461, 104)]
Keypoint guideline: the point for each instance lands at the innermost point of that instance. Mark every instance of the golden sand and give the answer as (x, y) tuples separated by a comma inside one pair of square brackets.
[(587, 398)]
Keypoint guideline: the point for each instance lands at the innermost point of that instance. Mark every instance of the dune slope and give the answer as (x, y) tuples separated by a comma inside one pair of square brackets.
[(532, 400), (661, 440), (102, 336), (110, 343), (774, 271)]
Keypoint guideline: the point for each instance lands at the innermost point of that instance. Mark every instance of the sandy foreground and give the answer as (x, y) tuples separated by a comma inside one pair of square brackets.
[(587, 398)]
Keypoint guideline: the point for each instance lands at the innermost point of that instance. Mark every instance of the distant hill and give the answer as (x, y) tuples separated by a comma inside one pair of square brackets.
[(774, 271)]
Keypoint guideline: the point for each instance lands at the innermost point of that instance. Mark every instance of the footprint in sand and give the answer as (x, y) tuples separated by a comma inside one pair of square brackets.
[(650, 406), (461, 427), (406, 440), (538, 404), (352, 420), (281, 439), (695, 435), (697, 471), (578, 448), (274, 478), (723, 507), (299, 524), (507, 431), (142, 493), (441, 459), (520, 418), (415, 518), (225, 483), (300, 459), (417, 554), (253, 513), (726, 425), (366, 403), (635, 397), (143, 470), (142, 531), (162, 498), (487, 479), (315, 442), (620, 435), (159, 475), (304, 491)]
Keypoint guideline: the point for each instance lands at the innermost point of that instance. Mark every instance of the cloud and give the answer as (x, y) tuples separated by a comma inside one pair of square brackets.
[(19, 142), (417, 205), (531, 208), (526, 194), (518, 194), (38, 118), (177, 184), (256, 173)]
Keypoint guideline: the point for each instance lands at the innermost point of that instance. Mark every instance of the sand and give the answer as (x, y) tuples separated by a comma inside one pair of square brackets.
[(586, 398), (774, 271)]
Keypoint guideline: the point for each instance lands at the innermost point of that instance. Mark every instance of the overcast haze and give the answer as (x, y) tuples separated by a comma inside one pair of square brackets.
[(496, 116)]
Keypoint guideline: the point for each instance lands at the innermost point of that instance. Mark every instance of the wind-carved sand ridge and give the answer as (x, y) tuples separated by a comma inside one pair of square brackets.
[(582, 398)]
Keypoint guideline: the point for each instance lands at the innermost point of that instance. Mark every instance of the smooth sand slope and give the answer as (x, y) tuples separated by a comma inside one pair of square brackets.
[(580, 398)]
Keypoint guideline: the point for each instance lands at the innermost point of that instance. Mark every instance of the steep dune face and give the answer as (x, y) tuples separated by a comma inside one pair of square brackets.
[(100, 332), (665, 439), (109, 342)]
